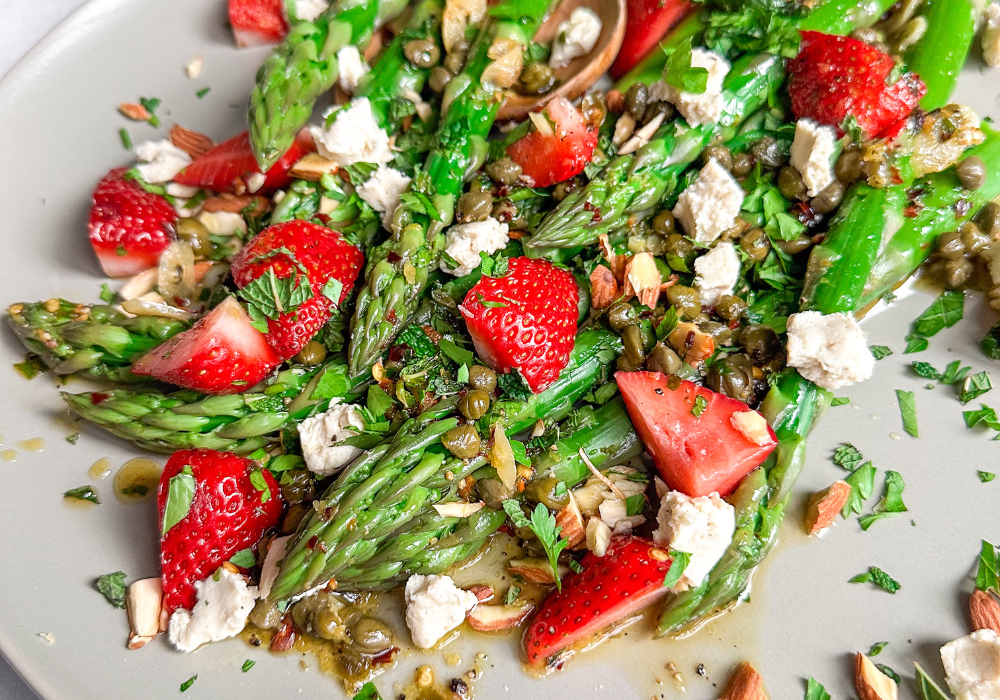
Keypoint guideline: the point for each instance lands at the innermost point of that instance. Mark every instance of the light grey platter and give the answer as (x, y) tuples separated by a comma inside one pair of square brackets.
[(59, 135)]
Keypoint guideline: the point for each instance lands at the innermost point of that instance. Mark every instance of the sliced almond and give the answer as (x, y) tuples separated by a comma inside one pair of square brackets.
[(313, 167), (603, 287), (456, 17), (753, 426), (482, 592), (744, 684), (144, 602), (985, 611), (643, 279), (541, 123), (623, 129), (502, 457), (191, 142), (691, 343), (508, 62), (824, 506), (598, 536), (871, 683), (535, 570), (571, 522), (139, 284), (491, 618), (458, 510)]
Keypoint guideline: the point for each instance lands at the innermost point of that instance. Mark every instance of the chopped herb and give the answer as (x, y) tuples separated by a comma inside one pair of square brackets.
[(489, 304), (135, 490), (514, 387), (204, 91), (635, 504), (915, 343), (378, 401), (368, 692), (560, 489), (126, 138), (681, 74), (815, 690), (927, 688), (513, 593), (986, 477), (520, 453), (73, 438), (259, 483), (268, 297), (284, 463), (679, 562), (332, 384), (862, 482), (493, 267), (462, 376), (244, 558), (700, 404), (180, 495), (987, 576), (974, 386), (891, 502), (668, 324), (189, 682), (908, 411), (991, 343), (332, 290), (985, 415), (107, 295), (889, 672), (877, 648), (543, 524), (944, 312), (31, 367), (954, 373), (847, 456), (83, 493), (879, 578), (840, 401), (880, 351), (112, 587), (460, 356), (248, 664), (575, 566), (925, 370)]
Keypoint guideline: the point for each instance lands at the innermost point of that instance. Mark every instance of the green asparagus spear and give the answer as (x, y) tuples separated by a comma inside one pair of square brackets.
[(303, 68), (939, 55), (97, 341), (399, 269)]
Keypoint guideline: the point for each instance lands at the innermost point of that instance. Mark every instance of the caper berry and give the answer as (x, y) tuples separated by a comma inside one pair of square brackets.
[(632, 338), (829, 199), (265, 615), (293, 516), (742, 164), (973, 238), (677, 246), (730, 307), (768, 153), (971, 173), (624, 364), (545, 490), (423, 53), (951, 246), (686, 300), (849, 166), (988, 219), (733, 377), (635, 100), (302, 612), (664, 223), (439, 79), (312, 353), (504, 171), (474, 404), (720, 332), (536, 79), (796, 245), (721, 154), (455, 61), (663, 359), (790, 183), (196, 234), (957, 272), (482, 378), (755, 244), (620, 315), (328, 624), (297, 485), (371, 636), (563, 189), (493, 492), (463, 441), (761, 343), (474, 206)]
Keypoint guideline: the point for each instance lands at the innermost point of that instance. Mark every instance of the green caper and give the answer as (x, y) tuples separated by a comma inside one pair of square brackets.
[(988, 219), (620, 315), (302, 612), (493, 492), (796, 245), (790, 183), (313, 353), (328, 624), (755, 244), (655, 109), (761, 343), (730, 307), (548, 492), (196, 234), (849, 166), (973, 238), (971, 173), (679, 247), (455, 61), (423, 53), (686, 300), (829, 199), (769, 154), (663, 359), (294, 516), (951, 246), (624, 364), (664, 223), (371, 636), (563, 189), (504, 171), (732, 377), (635, 100), (297, 485), (632, 338), (742, 164), (957, 272), (504, 211), (536, 79), (482, 378), (439, 79), (721, 154), (474, 404), (474, 206), (463, 441), (265, 615), (720, 332)]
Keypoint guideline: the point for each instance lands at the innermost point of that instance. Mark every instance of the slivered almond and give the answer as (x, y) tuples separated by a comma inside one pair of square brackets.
[(139, 284), (235, 203), (598, 536), (313, 167), (603, 287), (507, 65), (144, 602), (490, 618), (284, 638), (824, 506), (744, 684), (753, 427), (571, 522), (191, 142), (535, 570), (482, 592), (985, 611), (135, 112), (502, 457), (458, 510), (871, 683), (691, 343)]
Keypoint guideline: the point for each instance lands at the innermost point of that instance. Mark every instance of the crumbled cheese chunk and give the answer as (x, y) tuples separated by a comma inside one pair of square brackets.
[(434, 607), (717, 272), (224, 603), (614, 513), (703, 527), (829, 349), (705, 107), (972, 666), (354, 136), (194, 66), (991, 35), (183, 191), (319, 434), (352, 68), (711, 204), (309, 10), (160, 161), (382, 191), (575, 37), (269, 570), (255, 182), (812, 155), (464, 242), (223, 223), (753, 427)]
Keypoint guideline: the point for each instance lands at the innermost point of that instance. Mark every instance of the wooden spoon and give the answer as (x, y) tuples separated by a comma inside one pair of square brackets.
[(583, 71)]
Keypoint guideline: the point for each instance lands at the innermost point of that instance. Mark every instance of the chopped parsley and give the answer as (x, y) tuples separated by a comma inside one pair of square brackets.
[(700, 404), (112, 587), (126, 138), (189, 682), (83, 493), (259, 483), (984, 415), (840, 401), (862, 482), (908, 411), (151, 104), (974, 387), (543, 524), (248, 664), (204, 91), (991, 343), (880, 351), (879, 578), (513, 593), (368, 692), (681, 74), (986, 477), (107, 295), (944, 312), (891, 502), (679, 562)]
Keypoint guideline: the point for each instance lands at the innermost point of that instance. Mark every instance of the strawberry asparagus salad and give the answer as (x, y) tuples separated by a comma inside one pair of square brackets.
[(383, 340)]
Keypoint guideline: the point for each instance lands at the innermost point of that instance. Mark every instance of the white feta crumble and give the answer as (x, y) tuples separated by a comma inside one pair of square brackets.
[(434, 607), (351, 68), (813, 150), (354, 136), (464, 242), (255, 182), (223, 223), (160, 161), (705, 107), (269, 570), (711, 204), (991, 35), (576, 36), (319, 434), (972, 666), (703, 527), (224, 603), (183, 191), (382, 191), (309, 10), (828, 349), (717, 272)]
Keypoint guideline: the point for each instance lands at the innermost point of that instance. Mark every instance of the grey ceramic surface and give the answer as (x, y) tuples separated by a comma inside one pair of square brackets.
[(58, 135)]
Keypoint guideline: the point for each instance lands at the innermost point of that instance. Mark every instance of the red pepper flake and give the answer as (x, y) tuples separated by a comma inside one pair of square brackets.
[(914, 208), (391, 316), (393, 257), (98, 398)]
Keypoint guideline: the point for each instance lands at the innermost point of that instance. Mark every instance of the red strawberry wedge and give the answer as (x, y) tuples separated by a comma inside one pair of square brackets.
[(209, 510), (628, 578), (558, 154), (524, 320), (129, 227), (321, 254), (231, 167), (257, 22), (221, 354), (701, 442), (646, 23)]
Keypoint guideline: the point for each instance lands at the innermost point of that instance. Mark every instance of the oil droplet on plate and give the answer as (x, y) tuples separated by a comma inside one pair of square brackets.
[(894, 435), (136, 480), (32, 445), (8, 455), (873, 416), (100, 469)]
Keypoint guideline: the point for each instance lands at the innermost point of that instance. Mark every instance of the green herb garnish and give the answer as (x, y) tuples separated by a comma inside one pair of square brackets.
[(880, 351), (83, 493), (908, 411), (679, 562), (879, 578), (891, 502), (112, 587), (180, 495)]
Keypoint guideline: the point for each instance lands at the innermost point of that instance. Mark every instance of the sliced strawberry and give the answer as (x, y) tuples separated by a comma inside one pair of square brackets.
[(628, 578), (834, 77), (231, 167), (227, 514), (129, 227), (695, 454), (562, 153), (321, 254), (525, 320), (258, 22), (221, 354), (646, 23)]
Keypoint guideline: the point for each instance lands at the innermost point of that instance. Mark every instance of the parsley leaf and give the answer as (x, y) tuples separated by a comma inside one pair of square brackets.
[(543, 524), (513, 593), (112, 587), (126, 138), (815, 690), (681, 74), (679, 563), (891, 502), (879, 578), (259, 483), (880, 351), (908, 411), (974, 386), (368, 692), (862, 481), (847, 456)]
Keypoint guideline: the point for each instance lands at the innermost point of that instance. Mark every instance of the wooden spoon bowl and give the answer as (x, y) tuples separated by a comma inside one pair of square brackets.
[(583, 71)]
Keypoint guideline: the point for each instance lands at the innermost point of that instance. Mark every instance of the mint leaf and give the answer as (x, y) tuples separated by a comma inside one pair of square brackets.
[(927, 688), (891, 502), (189, 682), (974, 387), (244, 558), (954, 373), (460, 356), (862, 481), (520, 453), (180, 495), (925, 370), (333, 383), (889, 672), (513, 593), (840, 401), (815, 691), (880, 351), (681, 74), (985, 415), (259, 483), (991, 343), (679, 562), (879, 578), (248, 664), (908, 411), (635, 504), (987, 576), (877, 648), (987, 477), (700, 404), (112, 587), (378, 401), (944, 312), (516, 515), (847, 456), (83, 493)]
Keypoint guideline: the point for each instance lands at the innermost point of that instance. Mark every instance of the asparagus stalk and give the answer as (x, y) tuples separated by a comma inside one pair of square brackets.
[(303, 68), (97, 342), (940, 53), (399, 269)]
